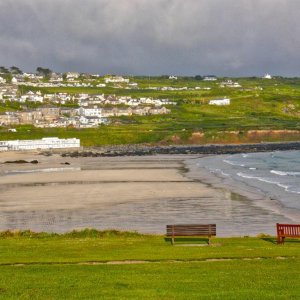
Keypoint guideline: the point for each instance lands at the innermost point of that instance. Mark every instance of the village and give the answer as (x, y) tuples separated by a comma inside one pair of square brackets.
[(77, 110), (46, 99)]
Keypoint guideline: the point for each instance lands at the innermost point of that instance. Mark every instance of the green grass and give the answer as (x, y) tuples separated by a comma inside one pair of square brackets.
[(74, 266), (210, 280)]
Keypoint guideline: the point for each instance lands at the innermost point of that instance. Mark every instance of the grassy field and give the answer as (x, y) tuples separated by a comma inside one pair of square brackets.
[(116, 265)]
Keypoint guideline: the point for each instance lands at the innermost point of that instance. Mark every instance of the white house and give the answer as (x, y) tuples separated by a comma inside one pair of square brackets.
[(72, 75), (90, 111), (220, 102), (210, 78), (173, 77), (44, 143), (91, 121), (2, 80), (267, 76), (14, 80), (32, 97), (116, 79)]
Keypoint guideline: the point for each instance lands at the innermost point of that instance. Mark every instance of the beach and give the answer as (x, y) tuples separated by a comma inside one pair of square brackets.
[(142, 193)]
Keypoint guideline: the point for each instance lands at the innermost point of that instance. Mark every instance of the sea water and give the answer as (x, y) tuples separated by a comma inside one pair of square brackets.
[(273, 174)]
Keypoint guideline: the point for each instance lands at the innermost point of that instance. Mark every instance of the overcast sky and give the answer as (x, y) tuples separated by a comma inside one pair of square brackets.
[(141, 37)]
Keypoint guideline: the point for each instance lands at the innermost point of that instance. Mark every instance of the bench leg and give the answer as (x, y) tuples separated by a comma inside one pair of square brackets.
[(173, 241)]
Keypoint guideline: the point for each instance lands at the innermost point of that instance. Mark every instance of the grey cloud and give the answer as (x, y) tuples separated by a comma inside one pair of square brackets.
[(224, 37)]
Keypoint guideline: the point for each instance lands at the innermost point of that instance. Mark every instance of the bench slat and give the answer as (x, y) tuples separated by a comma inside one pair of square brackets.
[(287, 230)]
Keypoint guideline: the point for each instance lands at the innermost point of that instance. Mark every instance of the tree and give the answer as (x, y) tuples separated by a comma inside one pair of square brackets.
[(43, 72), (198, 77), (15, 70), (4, 70)]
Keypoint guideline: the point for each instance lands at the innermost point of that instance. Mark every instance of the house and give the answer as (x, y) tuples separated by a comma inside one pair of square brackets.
[(32, 97), (44, 143), (159, 111), (56, 78), (30, 116), (64, 122), (267, 76), (49, 112), (116, 79), (72, 75), (141, 111), (2, 80), (173, 77), (14, 80), (230, 83), (210, 78), (91, 121), (90, 111), (9, 118), (220, 102)]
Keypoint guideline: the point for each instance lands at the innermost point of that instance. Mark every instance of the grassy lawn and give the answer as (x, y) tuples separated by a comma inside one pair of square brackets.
[(113, 265)]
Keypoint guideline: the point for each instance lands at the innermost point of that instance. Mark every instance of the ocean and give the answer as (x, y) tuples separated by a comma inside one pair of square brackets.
[(272, 177)]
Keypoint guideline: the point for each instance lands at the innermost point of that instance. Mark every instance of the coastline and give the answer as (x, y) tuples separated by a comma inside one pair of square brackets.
[(142, 193), (211, 149)]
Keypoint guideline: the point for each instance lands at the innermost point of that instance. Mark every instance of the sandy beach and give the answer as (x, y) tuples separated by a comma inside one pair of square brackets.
[(129, 193)]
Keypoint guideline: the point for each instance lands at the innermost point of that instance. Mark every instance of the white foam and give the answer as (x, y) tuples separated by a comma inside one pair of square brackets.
[(218, 171), (282, 173), (232, 163), (287, 188)]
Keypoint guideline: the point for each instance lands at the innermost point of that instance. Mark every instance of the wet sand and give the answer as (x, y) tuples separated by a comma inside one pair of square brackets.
[(127, 193)]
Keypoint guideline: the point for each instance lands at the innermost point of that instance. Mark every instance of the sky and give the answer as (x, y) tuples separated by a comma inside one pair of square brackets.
[(152, 37)]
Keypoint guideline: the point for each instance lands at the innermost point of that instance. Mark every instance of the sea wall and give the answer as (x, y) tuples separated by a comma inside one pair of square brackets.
[(131, 150)]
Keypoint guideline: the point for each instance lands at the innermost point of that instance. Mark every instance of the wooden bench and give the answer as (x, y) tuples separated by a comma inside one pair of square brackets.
[(287, 230), (187, 230)]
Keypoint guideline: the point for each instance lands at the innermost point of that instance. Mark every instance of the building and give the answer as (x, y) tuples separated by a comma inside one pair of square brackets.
[(30, 116), (210, 78), (49, 112), (88, 111), (116, 79), (72, 75), (44, 143), (220, 102), (14, 80), (9, 118), (267, 76)]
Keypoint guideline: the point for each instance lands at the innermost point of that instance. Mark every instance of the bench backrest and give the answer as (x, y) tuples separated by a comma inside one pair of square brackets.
[(191, 230), (288, 229)]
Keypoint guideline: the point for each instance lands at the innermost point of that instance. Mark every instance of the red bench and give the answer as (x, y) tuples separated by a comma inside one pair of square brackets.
[(287, 230)]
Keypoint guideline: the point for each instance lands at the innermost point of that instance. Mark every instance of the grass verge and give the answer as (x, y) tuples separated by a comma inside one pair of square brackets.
[(74, 266)]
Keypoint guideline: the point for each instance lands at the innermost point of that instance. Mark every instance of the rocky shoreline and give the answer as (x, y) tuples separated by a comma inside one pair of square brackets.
[(140, 150)]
